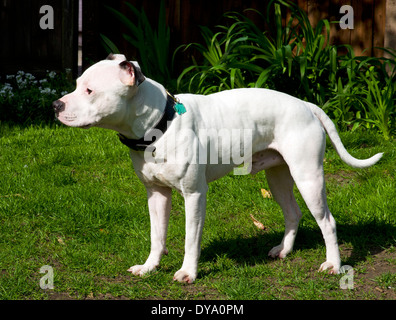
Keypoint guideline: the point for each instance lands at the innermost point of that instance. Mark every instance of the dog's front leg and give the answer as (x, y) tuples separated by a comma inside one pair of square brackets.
[(159, 201), (195, 205)]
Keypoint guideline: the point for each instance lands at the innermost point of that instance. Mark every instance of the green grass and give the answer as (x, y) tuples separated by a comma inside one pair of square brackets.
[(69, 199)]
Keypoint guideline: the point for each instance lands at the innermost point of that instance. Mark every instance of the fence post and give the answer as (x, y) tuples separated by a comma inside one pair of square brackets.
[(70, 35)]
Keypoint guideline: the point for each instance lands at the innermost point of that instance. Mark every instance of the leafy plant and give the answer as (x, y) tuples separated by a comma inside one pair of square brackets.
[(287, 58), (152, 43), (343, 107), (380, 102), (25, 99), (298, 59), (224, 70)]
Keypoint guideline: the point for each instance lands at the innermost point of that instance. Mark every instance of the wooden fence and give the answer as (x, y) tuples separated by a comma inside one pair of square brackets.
[(24, 45), (369, 22)]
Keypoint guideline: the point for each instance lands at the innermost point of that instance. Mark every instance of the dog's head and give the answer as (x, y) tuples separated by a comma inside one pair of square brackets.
[(101, 94)]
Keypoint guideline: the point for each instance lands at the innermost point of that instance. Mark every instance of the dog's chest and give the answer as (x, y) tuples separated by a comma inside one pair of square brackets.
[(161, 174)]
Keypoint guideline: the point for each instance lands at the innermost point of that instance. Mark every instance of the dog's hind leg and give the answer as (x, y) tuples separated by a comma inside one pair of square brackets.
[(309, 177), (312, 189), (281, 184)]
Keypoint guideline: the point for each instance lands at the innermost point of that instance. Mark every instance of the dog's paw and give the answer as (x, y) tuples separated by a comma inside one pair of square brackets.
[(278, 252), (184, 276), (141, 270), (332, 268)]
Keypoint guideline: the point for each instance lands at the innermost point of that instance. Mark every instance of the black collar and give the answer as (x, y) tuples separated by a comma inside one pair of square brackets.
[(162, 124)]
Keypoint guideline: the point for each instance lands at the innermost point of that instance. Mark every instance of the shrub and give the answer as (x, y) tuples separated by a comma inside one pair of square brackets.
[(151, 42), (295, 58), (25, 99), (298, 59)]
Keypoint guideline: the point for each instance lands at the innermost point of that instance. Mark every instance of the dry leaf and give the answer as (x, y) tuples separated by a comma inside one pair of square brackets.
[(61, 241), (257, 223), (266, 194)]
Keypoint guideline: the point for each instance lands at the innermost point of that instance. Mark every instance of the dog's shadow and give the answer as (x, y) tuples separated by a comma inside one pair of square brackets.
[(365, 239)]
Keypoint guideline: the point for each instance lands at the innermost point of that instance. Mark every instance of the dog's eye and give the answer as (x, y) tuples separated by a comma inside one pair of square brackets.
[(89, 91)]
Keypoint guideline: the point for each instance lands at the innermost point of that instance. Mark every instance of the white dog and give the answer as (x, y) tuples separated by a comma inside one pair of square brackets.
[(187, 141)]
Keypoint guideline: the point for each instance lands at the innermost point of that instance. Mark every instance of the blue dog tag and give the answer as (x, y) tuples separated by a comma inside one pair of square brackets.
[(180, 108)]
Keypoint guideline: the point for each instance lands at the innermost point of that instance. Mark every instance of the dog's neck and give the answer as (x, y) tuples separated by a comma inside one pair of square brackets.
[(146, 108)]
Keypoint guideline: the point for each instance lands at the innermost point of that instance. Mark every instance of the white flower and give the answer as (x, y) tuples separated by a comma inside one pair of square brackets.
[(21, 82), (29, 76), (6, 91), (45, 91), (63, 93), (52, 74)]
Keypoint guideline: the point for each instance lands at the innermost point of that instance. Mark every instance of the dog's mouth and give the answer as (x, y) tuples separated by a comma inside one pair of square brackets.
[(70, 119)]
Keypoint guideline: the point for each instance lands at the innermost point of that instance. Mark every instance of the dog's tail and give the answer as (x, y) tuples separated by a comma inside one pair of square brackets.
[(337, 143)]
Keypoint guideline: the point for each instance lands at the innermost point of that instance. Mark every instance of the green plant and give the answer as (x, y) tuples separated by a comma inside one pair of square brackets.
[(229, 61), (224, 69), (25, 99), (288, 58), (152, 43), (380, 102), (343, 107), (265, 58), (387, 280), (296, 58), (364, 94)]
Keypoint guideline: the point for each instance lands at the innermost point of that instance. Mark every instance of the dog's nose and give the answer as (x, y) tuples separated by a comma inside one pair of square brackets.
[(58, 105)]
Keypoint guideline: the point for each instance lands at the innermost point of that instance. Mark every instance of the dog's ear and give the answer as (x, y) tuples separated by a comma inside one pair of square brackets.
[(127, 73), (138, 73), (119, 57), (130, 74)]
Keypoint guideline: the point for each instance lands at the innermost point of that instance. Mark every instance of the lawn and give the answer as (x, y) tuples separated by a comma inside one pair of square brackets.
[(69, 199)]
